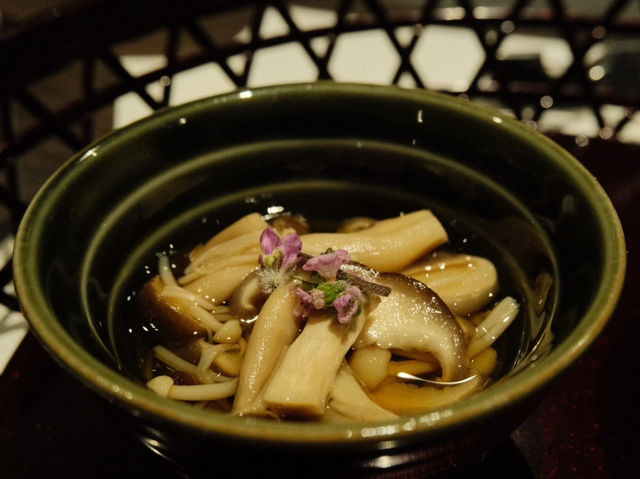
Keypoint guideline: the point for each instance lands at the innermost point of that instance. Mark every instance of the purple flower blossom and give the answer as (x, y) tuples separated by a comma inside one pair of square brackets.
[(291, 246), (305, 306), (280, 255), (269, 241), (309, 300), (347, 304), (279, 252), (328, 264)]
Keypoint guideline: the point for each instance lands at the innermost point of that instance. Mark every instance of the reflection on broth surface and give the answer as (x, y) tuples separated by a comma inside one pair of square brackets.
[(273, 318)]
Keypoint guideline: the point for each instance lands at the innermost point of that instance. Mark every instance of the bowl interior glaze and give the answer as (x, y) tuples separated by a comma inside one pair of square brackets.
[(329, 151)]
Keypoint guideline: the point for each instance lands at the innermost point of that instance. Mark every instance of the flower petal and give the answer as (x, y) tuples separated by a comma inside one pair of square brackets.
[(328, 264), (269, 241), (290, 246), (347, 305), (306, 303)]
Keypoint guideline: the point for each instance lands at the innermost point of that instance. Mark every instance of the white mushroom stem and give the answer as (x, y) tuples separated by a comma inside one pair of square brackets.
[(388, 245), (301, 383), (164, 386), (349, 399), (247, 243), (164, 270), (207, 319), (176, 362), (161, 385), (220, 284), (247, 224), (500, 317), (210, 351), (275, 328), (182, 294)]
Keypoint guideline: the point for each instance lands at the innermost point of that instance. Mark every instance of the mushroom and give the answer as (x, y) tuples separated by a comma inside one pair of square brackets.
[(273, 332), (348, 398), (406, 398), (301, 383), (465, 282), (167, 316), (414, 318), (388, 245), (247, 299)]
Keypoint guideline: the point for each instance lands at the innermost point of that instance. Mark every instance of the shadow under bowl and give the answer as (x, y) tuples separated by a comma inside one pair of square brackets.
[(329, 151)]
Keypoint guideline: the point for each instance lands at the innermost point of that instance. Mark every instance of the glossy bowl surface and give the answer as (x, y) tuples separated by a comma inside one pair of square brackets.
[(332, 150)]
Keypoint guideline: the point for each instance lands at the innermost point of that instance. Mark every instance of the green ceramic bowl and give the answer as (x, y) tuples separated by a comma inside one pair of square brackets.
[(330, 151)]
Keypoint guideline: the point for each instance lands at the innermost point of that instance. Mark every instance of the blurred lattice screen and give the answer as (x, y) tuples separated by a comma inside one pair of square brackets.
[(68, 75)]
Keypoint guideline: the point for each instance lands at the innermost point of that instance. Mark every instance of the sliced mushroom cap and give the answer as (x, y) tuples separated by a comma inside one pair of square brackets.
[(248, 298), (167, 316), (465, 282), (414, 318)]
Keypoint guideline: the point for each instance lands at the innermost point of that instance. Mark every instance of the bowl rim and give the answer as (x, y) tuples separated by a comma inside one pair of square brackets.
[(142, 402)]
